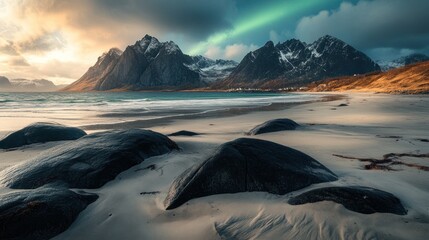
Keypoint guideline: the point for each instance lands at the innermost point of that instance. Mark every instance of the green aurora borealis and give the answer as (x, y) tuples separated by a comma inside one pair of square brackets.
[(259, 19)]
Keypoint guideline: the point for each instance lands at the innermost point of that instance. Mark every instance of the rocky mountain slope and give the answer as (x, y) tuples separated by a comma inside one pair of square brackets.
[(403, 61), (150, 65), (412, 78), (295, 63), (102, 67)]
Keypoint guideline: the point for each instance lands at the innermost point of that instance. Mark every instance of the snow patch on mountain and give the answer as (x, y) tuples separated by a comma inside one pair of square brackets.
[(171, 47), (211, 70), (402, 61), (293, 63)]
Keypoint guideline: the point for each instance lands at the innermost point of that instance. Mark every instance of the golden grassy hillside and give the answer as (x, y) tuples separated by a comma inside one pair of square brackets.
[(409, 79)]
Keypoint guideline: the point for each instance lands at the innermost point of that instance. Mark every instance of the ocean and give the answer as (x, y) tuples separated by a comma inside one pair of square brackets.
[(79, 109)]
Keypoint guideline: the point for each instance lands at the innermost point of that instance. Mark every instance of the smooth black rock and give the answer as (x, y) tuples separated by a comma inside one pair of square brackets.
[(40, 213), (184, 133), (342, 105), (276, 125), (356, 198), (247, 165), (90, 161), (40, 133)]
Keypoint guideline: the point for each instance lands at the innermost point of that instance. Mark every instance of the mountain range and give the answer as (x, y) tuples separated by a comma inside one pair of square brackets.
[(153, 65), (294, 63), (26, 85)]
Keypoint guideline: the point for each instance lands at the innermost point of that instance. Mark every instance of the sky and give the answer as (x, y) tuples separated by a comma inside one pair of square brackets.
[(60, 39)]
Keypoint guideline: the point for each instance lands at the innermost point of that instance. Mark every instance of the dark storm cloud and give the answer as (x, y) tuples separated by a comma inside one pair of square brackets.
[(194, 17), (372, 24)]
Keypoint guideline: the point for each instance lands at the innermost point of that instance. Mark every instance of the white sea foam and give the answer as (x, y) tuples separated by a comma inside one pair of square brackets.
[(90, 108)]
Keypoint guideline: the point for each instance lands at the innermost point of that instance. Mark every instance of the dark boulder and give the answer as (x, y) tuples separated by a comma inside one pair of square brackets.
[(184, 133), (247, 165), (356, 198), (40, 133), (40, 213), (90, 161), (275, 125)]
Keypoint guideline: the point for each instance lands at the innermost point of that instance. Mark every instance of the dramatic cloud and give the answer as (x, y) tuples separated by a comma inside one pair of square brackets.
[(372, 24), (193, 18), (42, 43), (60, 39), (280, 37), (8, 48), (75, 33), (235, 51), (18, 61)]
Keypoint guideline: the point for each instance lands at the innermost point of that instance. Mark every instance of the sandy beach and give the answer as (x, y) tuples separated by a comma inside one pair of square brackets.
[(368, 126)]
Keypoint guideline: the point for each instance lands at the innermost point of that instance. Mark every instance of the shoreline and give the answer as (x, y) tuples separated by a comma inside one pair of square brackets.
[(229, 112)]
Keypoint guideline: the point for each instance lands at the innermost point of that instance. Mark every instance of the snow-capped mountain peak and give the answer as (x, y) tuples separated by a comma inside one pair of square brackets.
[(402, 61), (171, 47), (295, 62), (148, 45)]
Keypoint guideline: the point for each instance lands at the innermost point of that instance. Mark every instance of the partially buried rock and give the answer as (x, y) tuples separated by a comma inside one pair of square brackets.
[(90, 161), (40, 213), (276, 125), (40, 133), (184, 133), (247, 165), (356, 198)]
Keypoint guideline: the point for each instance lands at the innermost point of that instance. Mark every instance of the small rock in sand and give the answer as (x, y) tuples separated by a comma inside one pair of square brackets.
[(40, 213), (342, 105), (184, 133), (356, 198), (248, 165), (275, 125), (40, 133), (90, 161)]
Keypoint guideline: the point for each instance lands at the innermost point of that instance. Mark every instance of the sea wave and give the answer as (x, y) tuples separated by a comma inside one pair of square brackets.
[(122, 106)]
